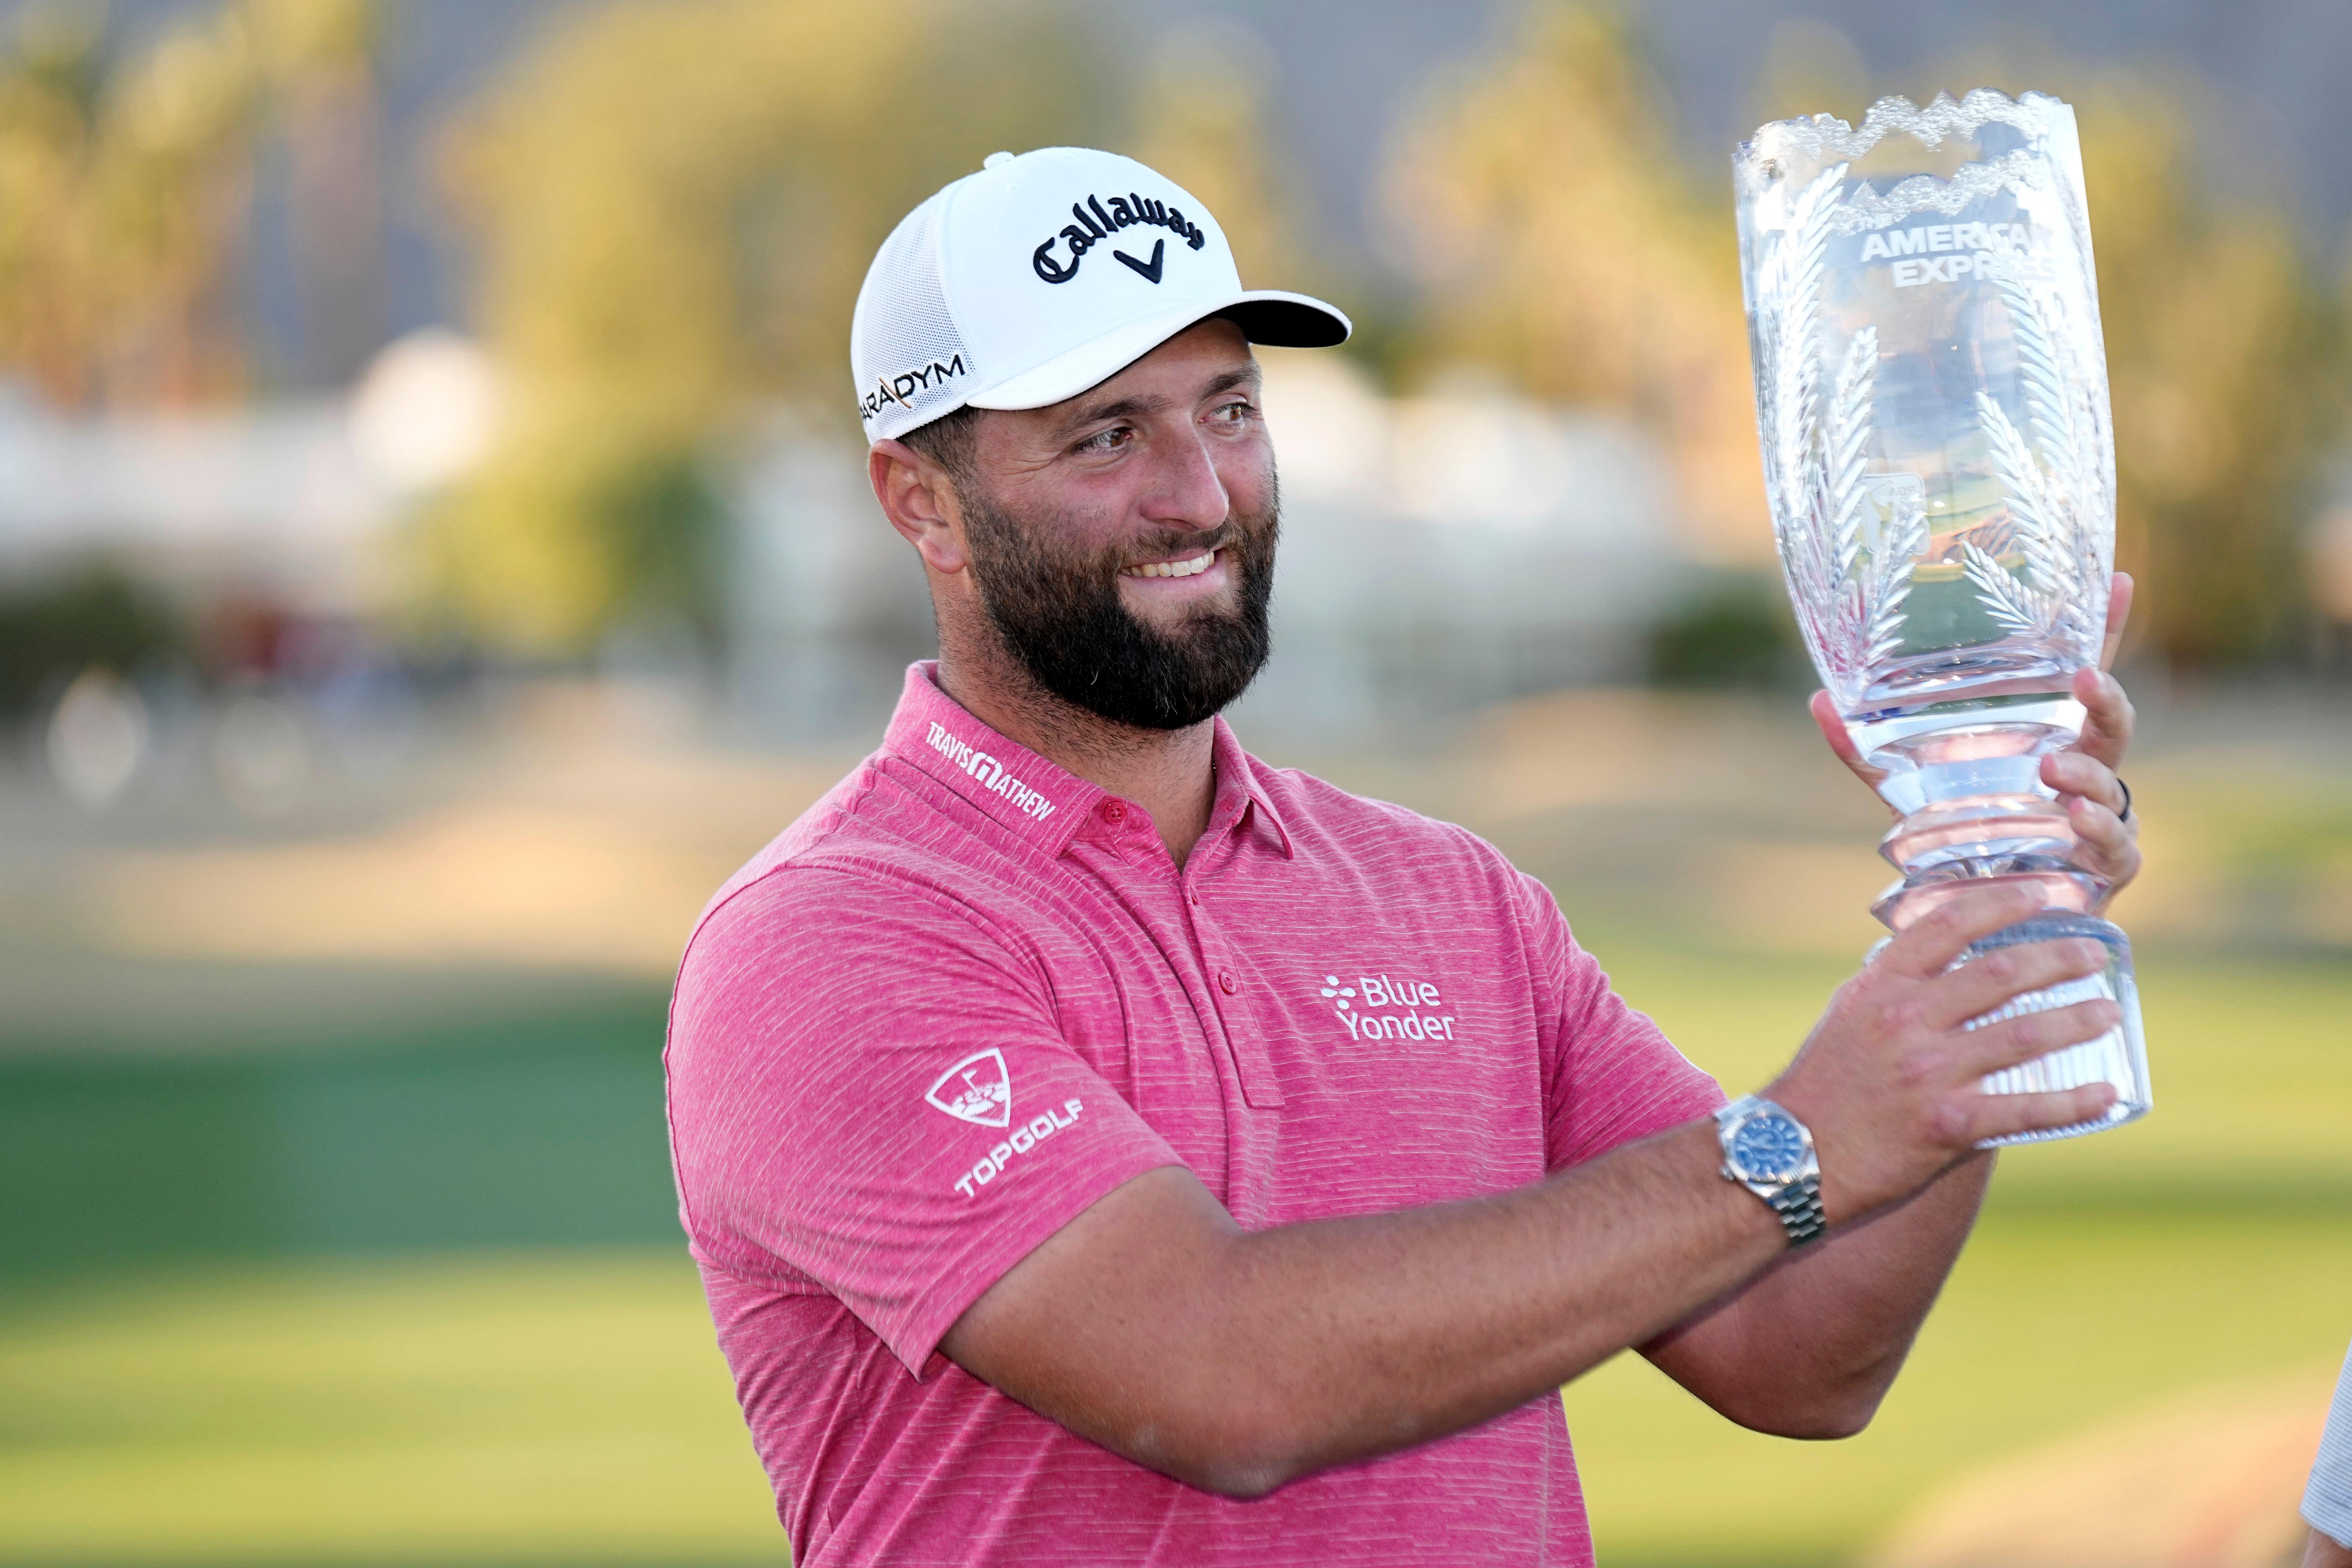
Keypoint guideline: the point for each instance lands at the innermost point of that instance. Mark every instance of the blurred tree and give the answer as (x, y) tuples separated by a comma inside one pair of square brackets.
[(2224, 361), (675, 205), (124, 189), (95, 615), (1201, 119), (1560, 238), (1736, 631)]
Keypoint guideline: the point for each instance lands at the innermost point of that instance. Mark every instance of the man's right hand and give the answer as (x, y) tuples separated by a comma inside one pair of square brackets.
[(1889, 1079)]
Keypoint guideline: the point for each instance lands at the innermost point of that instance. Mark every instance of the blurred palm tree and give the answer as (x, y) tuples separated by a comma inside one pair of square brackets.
[(1559, 239), (675, 205), (2225, 358), (124, 191), (1201, 119)]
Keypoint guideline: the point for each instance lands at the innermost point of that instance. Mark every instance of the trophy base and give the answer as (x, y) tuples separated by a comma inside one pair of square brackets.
[(1966, 775), (2118, 1057)]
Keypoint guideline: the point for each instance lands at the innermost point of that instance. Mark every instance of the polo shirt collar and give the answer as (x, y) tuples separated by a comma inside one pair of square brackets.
[(1032, 798), (1241, 799), (1010, 784)]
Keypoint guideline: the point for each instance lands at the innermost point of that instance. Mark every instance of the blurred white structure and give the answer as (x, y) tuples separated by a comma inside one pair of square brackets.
[(97, 738), (287, 500), (271, 497), (1454, 549), (426, 413), (1438, 552)]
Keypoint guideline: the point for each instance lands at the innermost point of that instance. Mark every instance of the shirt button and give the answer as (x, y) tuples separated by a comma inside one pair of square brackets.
[(1194, 897), (1114, 811), (1225, 982)]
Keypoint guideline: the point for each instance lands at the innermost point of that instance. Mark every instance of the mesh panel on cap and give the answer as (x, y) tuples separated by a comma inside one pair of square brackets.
[(910, 362)]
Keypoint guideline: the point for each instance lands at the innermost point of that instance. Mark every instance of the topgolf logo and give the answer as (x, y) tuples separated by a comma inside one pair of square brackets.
[(989, 775)]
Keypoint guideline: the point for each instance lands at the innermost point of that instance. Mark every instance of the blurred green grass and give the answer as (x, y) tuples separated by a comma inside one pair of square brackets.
[(2209, 1243), (525, 1404), (542, 1407)]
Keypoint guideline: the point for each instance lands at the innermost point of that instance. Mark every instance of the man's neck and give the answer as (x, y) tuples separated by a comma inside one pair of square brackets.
[(1171, 774)]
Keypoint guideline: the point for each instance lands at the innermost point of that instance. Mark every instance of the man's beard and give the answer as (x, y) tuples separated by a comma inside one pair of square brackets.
[(1061, 616)]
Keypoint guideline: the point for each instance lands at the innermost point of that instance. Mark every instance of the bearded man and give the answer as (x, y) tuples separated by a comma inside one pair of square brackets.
[(1102, 1147)]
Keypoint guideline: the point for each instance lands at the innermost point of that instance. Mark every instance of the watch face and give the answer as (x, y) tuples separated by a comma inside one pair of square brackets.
[(1768, 1147)]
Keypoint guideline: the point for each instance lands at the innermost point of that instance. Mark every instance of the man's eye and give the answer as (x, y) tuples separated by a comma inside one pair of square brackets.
[(1235, 413), (1109, 440)]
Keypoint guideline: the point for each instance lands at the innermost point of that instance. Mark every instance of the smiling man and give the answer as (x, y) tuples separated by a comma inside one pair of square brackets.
[(1101, 1147)]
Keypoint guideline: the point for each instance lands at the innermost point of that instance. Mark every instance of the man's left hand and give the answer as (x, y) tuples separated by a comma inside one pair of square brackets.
[(2084, 775)]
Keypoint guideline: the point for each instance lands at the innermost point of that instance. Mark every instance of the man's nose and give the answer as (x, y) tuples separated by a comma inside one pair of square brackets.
[(1186, 490)]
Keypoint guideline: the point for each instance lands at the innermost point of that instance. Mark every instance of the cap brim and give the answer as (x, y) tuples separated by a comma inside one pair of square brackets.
[(1265, 316)]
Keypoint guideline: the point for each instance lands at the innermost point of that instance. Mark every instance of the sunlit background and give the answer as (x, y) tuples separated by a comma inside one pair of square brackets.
[(433, 552)]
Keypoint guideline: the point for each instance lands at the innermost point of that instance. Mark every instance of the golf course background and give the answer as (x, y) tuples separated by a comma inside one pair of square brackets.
[(393, 1279), (434, 555)]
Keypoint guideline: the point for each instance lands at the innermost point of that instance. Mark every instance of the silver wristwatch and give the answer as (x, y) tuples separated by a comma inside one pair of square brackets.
[(1770, 1154)]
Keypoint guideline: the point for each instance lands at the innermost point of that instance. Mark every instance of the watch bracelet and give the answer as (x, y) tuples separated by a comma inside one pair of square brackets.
[(1798, 1207)]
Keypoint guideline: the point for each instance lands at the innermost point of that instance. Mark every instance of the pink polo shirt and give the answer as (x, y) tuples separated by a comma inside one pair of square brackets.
[(968, 994)]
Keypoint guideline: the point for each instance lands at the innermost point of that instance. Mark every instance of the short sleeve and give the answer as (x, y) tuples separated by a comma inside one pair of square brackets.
[(868, 1088), (2328, 1500), (1612, 1076)]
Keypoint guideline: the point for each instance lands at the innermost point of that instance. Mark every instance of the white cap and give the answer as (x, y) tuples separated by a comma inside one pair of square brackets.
[(1041, 276)]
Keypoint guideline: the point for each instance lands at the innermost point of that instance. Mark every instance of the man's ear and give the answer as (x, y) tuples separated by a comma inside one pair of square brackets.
[(920, 502)]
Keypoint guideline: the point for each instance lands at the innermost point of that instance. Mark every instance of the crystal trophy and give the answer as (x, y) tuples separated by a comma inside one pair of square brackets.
[(1931, 393)]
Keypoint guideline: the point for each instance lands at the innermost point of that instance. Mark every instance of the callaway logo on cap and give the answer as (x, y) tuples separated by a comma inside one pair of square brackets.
[(1041, 276)]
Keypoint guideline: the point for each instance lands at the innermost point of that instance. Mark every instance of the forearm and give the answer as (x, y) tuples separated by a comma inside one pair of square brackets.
[(1810, 1348), (1386, 1332), (1283, 1352)]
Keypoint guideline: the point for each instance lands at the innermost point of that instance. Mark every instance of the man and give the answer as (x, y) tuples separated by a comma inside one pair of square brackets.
[(2328, 1499), (1101, 1147)]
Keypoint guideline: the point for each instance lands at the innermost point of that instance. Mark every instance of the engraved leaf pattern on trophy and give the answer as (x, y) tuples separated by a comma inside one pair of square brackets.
[(2052, 482), (1850, 598), (1788, 337)]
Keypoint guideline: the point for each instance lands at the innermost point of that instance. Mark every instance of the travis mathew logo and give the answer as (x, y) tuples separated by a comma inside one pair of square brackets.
[(989, 775), (1098, 222), (979, 1090), (905, 384), (1377, 991)]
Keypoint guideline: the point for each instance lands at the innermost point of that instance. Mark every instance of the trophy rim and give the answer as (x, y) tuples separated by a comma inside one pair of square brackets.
[(1826, 137)]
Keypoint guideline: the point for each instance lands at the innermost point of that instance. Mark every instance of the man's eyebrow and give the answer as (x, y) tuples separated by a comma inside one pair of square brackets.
[(1239, 376), (1120, 408), (1133, 408)]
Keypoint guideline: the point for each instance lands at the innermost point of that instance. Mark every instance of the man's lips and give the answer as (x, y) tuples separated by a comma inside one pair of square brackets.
[(1185, 566)]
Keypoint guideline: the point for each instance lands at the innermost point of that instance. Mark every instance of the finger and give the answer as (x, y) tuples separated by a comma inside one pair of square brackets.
[(2104, 846), (1824, 707), (2003, 1115), (1927, 946), (1985, 981), (2080, 773), (1994, 1047), (2119, 604), (2108, 718), (2101, 833)]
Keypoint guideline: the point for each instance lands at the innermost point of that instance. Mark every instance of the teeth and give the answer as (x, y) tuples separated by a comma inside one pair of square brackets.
[(1197, 564)]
